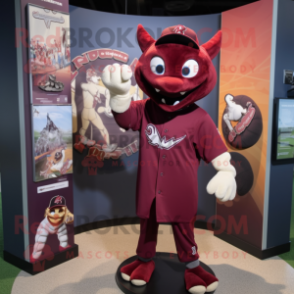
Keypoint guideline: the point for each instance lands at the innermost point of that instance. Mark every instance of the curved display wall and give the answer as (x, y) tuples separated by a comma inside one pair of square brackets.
[(105, 182)]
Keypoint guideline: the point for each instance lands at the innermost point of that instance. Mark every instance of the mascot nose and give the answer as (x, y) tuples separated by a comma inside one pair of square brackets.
[(170, 84)]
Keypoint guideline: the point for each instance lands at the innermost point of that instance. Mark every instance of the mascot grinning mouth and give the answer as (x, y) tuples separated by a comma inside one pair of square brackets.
[(170, 99), (174, 101)]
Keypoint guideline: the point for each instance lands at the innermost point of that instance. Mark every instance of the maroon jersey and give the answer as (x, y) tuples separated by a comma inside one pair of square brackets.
[(171, 146)]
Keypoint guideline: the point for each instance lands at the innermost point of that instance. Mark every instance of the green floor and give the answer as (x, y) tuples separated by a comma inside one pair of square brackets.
[(289, 256), (9, 272)]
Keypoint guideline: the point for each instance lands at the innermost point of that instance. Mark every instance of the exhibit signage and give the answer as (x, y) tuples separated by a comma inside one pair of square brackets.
[(243, 112)]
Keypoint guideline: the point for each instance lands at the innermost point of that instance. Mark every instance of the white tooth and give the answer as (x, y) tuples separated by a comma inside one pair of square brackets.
[(163, 100), (177, 102), (182, 93), (157, 90)]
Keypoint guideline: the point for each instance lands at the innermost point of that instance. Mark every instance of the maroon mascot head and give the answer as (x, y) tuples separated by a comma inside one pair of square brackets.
[(174, 70)]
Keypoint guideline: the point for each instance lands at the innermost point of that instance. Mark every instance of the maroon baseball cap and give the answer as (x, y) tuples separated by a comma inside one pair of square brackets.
[(178, 34)]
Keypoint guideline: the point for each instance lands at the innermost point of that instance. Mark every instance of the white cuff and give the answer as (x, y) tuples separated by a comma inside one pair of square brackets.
[(222, 163), (120, 103)]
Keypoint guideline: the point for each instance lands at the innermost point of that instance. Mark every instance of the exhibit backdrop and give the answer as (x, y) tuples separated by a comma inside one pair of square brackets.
[(105, 174), (243, 114)]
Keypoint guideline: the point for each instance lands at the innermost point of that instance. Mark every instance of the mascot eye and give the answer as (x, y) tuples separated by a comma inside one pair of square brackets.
[(157, 65), (190, 68)]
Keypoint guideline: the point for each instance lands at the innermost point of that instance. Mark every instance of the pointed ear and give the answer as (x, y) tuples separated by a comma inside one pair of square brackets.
[(213, 45), (144, 39)]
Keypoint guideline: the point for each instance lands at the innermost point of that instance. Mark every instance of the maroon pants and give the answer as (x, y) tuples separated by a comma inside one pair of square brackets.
[(183, 235)]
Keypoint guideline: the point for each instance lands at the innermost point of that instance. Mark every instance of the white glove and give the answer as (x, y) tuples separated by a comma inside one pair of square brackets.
[(117, 79), (223, 184)]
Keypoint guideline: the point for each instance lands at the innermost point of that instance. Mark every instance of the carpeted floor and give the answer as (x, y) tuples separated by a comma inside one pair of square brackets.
[(101, 252), (91, 273)]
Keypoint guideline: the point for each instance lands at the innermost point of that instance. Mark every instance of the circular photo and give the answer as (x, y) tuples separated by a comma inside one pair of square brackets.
[(241, 121), (245, 176)]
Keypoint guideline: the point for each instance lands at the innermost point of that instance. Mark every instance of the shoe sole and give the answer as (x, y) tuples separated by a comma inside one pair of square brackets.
[(197, 290), (138, 282), (212, 287), (125, 277)]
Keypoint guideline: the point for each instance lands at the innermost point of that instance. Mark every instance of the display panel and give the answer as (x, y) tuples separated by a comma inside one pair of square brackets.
[(49, 56), (52, 141), (244, 91), (284, 130), (33, 197)]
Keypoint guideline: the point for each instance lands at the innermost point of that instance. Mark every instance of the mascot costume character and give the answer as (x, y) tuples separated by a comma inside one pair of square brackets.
[(175, 134), (57, 216)]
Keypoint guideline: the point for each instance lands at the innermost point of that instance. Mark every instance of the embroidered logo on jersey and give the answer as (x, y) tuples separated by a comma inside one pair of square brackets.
[(193, 250), (155, 139)]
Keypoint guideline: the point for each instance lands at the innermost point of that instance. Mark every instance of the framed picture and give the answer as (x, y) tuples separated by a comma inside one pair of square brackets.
[(52, 141), (283, 131), (49, 56)]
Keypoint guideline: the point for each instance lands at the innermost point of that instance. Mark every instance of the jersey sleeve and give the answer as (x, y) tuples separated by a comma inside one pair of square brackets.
[(93, 93), (209, 143), (132, 118), (85, 87)]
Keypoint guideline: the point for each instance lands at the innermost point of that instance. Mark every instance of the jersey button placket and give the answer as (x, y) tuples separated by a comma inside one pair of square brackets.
[(160, 171)]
